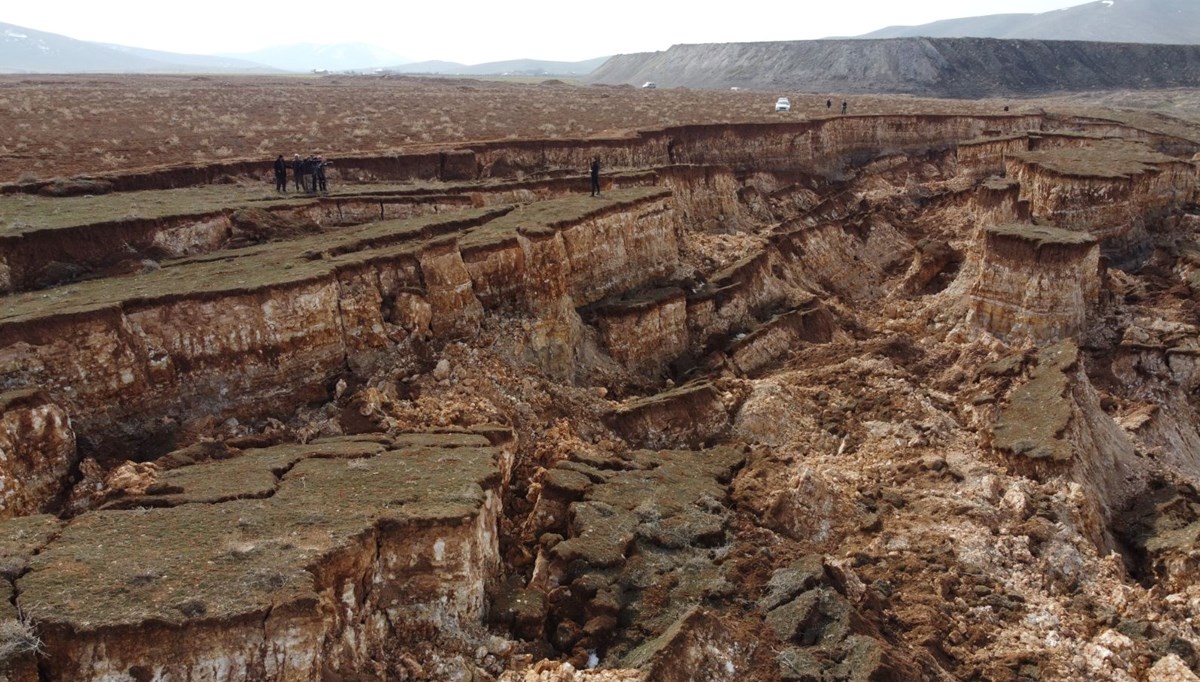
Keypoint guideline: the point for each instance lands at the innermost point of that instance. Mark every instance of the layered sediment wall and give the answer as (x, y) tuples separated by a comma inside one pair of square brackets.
[(1035, 282), (427, 267), (817, 145), (34, 257), (272, 327), (744, 291), (37, 256), (646, 332), (988, 155), (273, 588), (1110, 191)]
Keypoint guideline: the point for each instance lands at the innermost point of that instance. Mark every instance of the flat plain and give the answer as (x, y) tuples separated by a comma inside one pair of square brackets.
[(61, 126)]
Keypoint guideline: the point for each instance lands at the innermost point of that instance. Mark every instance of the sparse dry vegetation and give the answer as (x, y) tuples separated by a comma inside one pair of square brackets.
[(16, 638), (68, 125)]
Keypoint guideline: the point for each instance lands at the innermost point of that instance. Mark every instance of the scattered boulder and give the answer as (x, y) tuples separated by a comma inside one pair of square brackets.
[(688, 416), (1171, 668), (934, 264), (811, 608), (698, 646), (441, 371)]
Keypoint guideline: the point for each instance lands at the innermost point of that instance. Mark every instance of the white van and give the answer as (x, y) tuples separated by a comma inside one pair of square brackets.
[(783, 104)]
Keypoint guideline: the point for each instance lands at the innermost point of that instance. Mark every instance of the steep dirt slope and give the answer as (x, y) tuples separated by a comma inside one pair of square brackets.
[(888, 397), (943, 67)]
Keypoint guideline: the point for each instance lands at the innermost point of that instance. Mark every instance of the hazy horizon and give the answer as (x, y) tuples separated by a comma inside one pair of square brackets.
[(537, 29)]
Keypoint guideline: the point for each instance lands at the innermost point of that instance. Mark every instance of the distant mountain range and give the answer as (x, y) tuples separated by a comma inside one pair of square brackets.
[(1174, 22), (363, 57), (515, 67), (24, 50), (1104, 45), (314, 57), (937, 67)]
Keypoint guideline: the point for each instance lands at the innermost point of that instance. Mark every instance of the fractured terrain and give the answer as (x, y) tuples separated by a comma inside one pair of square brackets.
[(896, 396)]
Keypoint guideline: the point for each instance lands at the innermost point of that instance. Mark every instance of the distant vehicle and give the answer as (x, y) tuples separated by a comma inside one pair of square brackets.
[(783, 104), (649, 85)]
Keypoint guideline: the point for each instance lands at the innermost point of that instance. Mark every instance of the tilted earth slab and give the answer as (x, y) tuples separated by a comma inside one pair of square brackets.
[(357, 545)]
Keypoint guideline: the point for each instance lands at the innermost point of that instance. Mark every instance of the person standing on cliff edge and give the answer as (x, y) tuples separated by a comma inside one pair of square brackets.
[(321, 165), (280, 174), (595, 176)]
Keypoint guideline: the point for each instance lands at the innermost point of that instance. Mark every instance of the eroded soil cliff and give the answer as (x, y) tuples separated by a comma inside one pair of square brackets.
[(890, 397)]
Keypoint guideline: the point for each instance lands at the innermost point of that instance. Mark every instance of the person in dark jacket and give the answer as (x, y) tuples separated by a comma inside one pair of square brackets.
[(308, 168), (595, 176), (298, 172), (320, 172), (280, 174)]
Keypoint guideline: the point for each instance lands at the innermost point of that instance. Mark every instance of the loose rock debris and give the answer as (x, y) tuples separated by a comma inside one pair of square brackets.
[(882, 397)]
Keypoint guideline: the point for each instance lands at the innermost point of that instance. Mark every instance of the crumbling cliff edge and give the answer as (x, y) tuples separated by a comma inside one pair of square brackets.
[(890, 397)]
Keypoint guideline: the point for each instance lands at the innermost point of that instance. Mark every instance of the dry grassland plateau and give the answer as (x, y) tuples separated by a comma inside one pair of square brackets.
[(52, 126)]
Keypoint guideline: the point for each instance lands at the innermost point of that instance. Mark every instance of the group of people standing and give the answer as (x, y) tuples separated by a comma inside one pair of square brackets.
[(308, 173)]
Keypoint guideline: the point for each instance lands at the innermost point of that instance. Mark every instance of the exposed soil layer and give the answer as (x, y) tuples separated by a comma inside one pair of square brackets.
[(901, 396)]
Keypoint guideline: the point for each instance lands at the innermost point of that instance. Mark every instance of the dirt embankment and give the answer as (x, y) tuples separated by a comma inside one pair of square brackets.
[(943, 67), (825, 399)]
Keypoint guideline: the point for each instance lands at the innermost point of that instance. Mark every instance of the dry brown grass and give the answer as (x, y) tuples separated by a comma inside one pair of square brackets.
[(53, 126), (17, 638), (68, 125)]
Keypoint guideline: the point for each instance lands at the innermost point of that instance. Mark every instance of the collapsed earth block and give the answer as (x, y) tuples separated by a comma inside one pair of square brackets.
[(1035, 282), (342, 552), (813, 399)]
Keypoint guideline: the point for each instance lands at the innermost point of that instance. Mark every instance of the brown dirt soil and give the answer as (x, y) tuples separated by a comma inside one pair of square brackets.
[(53, 126), (866, 503)]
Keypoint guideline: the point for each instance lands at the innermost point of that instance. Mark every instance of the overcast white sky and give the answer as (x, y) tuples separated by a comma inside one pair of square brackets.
[(475, 31)]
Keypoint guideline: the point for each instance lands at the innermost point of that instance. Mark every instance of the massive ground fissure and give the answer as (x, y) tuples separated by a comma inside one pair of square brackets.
[(866, 397)]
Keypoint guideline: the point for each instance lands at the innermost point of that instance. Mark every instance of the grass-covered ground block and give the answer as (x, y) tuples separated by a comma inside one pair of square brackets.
[(311, 258), (213, 556)]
